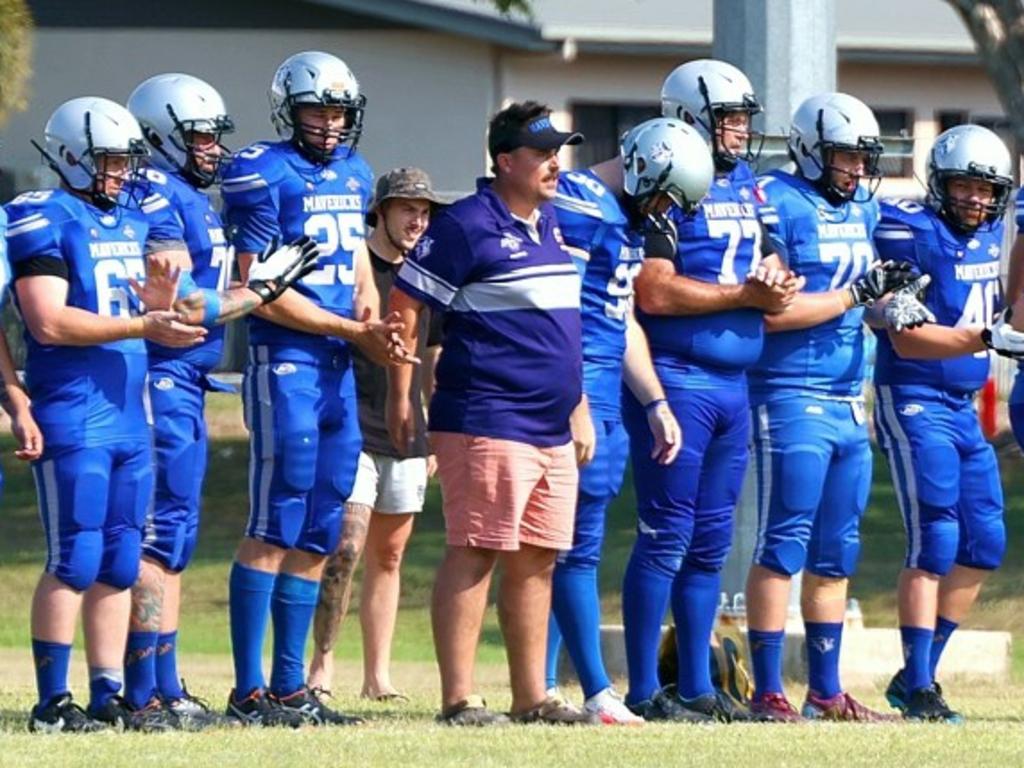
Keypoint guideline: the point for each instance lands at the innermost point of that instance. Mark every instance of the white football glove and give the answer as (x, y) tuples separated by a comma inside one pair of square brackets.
[(905, 310), (275, 270), (1002, 339)]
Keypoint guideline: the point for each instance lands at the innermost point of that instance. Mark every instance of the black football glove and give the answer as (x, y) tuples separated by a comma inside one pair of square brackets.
[(277, 269), (881, 278)]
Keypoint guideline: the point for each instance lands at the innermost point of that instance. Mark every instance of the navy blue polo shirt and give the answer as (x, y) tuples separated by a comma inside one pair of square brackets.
[(511, 365)]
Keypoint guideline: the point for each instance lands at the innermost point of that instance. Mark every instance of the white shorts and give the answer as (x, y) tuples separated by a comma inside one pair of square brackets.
[(390, 486)]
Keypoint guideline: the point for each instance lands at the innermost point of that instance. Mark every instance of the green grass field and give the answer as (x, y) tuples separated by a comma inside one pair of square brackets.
[(407, 735)]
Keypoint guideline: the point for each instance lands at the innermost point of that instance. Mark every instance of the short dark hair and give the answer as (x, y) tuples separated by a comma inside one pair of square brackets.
[(512, 118)]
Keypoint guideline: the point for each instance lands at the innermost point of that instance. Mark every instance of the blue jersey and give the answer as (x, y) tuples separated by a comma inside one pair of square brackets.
[(272, 192), (608, 254), (209, 250), (85, 396), (831, 246), (5, 264), (964, 291), (719, 244), (511, 363)]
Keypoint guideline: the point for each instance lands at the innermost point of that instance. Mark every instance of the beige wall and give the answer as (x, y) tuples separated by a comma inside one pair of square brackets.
[(429, 95)]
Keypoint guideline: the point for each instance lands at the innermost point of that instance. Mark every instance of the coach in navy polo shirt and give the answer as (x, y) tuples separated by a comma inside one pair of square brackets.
[(508, 380)]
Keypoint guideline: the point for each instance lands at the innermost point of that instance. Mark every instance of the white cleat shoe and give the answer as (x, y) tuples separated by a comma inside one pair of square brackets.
[(609, 706)]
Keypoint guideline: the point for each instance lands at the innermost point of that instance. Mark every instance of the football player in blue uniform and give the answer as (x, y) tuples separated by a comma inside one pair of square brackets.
[(813, 458), (73, 251), (702, 315), (603, 213), (182, 119), (299, 390), (945, 471)]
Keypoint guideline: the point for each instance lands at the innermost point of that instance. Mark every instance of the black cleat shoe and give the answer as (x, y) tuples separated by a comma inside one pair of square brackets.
[(665, 706), (928, 705), (194, 714), (718, 706), (259, 710), (62, 715), (307, 704), (154, 717), (897, 694)]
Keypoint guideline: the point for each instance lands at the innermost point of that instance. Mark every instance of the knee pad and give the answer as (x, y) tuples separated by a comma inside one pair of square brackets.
[(121, 554), (661, 551), (79, 564), (712, 539), (984, 547), (588, 533), (934, 547), (786, 557)]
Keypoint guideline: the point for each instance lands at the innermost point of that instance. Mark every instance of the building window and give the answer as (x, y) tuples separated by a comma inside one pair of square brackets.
[(950, 118), (896, 122), (603, 125)]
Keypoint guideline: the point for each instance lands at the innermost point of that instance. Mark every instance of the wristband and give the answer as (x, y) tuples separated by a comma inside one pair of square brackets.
[(655, 403), (211, 307)]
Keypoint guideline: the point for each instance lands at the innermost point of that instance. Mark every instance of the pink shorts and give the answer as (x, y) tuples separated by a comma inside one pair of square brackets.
[(498, 494)]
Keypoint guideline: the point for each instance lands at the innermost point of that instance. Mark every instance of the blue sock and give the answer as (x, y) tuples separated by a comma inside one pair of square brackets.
[(554, 648), (104, 684), (292, 608), (167, 680), (823, 643), (51, 662), (766, 656), (694, 605), (917, 652), (140, 668), (577, 605), (645, 593), (249, 608), (944, 628)]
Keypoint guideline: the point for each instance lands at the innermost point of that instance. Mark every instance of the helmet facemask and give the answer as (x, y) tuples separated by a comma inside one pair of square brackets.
[(349, 133), (202, 163), (951, 209), (715, 126)]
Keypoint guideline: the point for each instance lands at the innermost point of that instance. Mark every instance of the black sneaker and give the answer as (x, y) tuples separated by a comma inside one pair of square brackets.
[(153, 717), (718, 706), (471, 711), (307, 704), (194, 713), (665, 706), (927, 704), (258, 709), (62, 715)]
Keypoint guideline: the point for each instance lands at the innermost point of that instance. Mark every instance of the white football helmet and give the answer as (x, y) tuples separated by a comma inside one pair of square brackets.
[(313, 77), (669, 156), (974, 152), (835, 121), (170, 108), (83, 130), (700, 91)]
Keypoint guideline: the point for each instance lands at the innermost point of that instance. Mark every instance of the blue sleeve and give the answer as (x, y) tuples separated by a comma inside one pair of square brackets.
[(439, 265), (33, 232), (895, 238), (166, 229), (770, 211), (1019, 209), (579, 220), (251, 201), (5, 267)]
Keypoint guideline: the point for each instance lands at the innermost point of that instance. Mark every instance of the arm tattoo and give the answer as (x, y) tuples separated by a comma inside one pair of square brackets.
[(336, 583), (235, 303)]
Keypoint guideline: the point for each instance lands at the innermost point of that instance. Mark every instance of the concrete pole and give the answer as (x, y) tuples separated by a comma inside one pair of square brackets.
[(787, 48)]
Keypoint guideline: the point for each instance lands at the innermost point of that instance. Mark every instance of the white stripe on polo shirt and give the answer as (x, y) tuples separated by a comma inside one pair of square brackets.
[(544, 292), (427, 282)]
